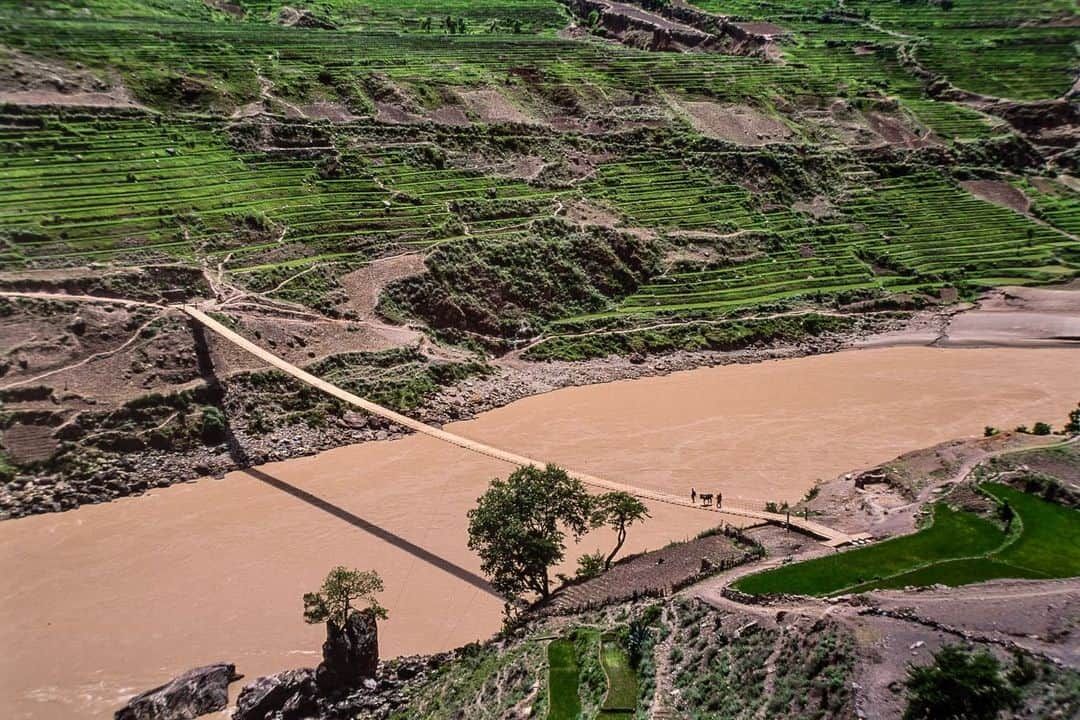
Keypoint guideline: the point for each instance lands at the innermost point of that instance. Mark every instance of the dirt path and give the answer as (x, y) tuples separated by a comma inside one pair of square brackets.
[(87, 360), (900, 520), (65, 297)]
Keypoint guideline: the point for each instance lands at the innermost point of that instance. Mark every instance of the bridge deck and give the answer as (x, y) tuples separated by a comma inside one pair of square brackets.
[(831, 537)]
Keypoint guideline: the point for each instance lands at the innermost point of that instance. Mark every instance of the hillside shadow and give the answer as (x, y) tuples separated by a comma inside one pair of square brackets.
[(242, 459)]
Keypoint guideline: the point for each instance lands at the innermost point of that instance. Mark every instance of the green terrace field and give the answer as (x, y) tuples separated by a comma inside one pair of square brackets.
[(286, 156), (133, 191), (130, 189), (894, 234), (979, 45), (593, 666), (827, 51), (957, 549)]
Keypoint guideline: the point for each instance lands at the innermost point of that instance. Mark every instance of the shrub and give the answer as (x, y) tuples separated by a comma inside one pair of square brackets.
[(1042, 428), (958, 684), (1073, 426), (212, 431), (590, 565)]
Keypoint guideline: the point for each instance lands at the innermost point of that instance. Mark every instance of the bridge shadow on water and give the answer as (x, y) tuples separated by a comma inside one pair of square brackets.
[(242, 458), (380, 533)]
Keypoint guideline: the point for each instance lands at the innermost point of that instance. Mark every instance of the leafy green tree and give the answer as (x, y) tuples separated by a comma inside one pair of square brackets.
[(958, 685), (518, 527), (618, 511), (1042, 428), (342, 586)]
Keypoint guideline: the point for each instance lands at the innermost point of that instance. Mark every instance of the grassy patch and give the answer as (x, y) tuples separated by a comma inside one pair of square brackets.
[(953, 534), (959, 548), (621, 698), (1050, 541), (564, 703)]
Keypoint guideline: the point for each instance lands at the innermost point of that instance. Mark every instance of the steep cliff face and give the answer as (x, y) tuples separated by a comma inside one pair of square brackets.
[(674, 28)]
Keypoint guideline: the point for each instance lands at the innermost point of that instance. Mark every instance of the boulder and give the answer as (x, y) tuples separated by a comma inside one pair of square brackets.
[(197, 692), (289, 695), (350, 654)]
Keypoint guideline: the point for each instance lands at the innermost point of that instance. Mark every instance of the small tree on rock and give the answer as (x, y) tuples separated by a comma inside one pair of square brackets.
[(342, 586), (958, 685), (618, 511), (518, 527)]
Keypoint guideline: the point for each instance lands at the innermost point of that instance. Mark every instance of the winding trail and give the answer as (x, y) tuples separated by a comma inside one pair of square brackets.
[(829, 536)]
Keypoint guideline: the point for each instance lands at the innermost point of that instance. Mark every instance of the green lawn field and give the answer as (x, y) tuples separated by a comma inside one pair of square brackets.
[(957, 549)]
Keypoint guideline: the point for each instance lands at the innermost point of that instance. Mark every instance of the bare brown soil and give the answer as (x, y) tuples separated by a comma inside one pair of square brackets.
[(585, 213), (1040, 616), (366, 284), (391, 113), (655, 571), (25, 80), (998, 192), (735, 123), (894, 131), (760, 28), (818, 207), (29, 443), (491, 106), (325, 110), (449, 115)]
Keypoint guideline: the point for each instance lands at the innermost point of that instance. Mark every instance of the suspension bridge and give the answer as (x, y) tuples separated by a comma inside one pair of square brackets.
[(827, 535)]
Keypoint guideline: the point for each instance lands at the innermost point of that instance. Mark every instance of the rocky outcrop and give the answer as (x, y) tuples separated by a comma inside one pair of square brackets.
[(289, 695), (346, 677), (350, 654), (673, 28), (197, 692), (294, 17)]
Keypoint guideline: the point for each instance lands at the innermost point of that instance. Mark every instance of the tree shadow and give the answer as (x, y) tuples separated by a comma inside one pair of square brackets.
[(242, 459)]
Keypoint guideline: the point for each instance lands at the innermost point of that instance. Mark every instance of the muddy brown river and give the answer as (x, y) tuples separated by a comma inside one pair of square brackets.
[(108, 600)]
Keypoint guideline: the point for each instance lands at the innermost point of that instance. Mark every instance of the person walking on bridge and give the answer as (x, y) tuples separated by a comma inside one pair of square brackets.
[(693, 496)]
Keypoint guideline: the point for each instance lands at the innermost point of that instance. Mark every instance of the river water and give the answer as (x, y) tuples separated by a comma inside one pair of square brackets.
[(105, 601)]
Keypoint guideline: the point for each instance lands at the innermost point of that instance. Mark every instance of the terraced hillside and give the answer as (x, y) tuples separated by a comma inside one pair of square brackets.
[(460, 182)]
